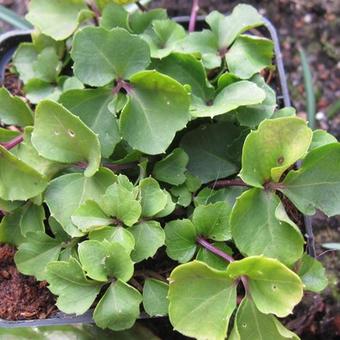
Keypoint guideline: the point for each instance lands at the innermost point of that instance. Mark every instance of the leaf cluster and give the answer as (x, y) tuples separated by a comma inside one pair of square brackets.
[(118, 171)]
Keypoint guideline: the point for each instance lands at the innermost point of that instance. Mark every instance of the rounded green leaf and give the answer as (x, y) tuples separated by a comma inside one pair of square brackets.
[(155, 297), (60, 136), (118, 309), (149, 236), (321, 138), (57, 19), (32, 219), (122, 204), (35, 253), (172, 168), (270, 150), (273, 287), (153, 198), (212, 221), (250, 323), (200, 295), (92, 107), (75, 292), (92, 256), (68, 192), (237, 94), (213, 260), (212, 150), (260, 226), (249, 55), (316, 185), (312, 274), (100, 56), (180, 240), (89, 216), (13, 110), (114, 234), (28, 182), (158, 107)]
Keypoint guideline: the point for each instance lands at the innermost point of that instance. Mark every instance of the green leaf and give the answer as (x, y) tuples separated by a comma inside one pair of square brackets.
[(316, 185), (114, 16), (9, 206), (35, 253), (103, 260), (26, 152), (92, 107), (122, 204), (312, 274), (163, 37), (24, 59), (37, 90), (169, 207), (68, 192), (118, 263), (140, 21), (205, 44), (270, 150), (284, 112), (180, 240), (114, 234), (10, 231), (155, 297), (7, 135), (57, 19), (60, 136), (183, 195), (238, 94), (89, 216), (149, 236), (13, 110), (249, 55), (273, 287), (210, 151), (158, 107), (200, 295), (186, 69), (321, 138), (118, 309), (260, 226), (227, 28), (172, 168), (75, 292), (18, 181), (212, 221), (32, 219), (47, 65), (101, 56), (213, 260), (153, 198), (253, 115), (250, 323)]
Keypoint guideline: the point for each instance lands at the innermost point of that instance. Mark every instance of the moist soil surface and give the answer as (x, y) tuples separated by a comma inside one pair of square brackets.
[(21, 297)]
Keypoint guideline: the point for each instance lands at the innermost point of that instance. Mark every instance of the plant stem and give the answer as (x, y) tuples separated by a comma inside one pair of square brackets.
[(141, 6), (14, 142), (193, 16), (111, 166), (237, 182), (205, 244), (121, 84)]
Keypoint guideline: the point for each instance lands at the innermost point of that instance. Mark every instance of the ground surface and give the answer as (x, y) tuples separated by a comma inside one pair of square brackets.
[(314, 25)]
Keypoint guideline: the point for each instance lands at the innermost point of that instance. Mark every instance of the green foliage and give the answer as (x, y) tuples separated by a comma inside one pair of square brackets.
[(118, 171)]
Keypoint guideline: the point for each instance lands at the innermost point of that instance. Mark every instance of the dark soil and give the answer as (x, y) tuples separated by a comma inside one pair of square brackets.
[(21, 297), (13, 84)]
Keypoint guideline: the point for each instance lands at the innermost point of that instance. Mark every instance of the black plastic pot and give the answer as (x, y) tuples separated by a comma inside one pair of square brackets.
[(8, 44)]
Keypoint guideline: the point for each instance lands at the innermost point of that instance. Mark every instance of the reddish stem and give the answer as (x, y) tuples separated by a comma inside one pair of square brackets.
[(193, 16), (237, 182), (205, 244), (14, 142), (111, 166)]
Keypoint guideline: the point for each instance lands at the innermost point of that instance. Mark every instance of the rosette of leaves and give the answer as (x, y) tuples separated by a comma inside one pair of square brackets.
[(118, 171)]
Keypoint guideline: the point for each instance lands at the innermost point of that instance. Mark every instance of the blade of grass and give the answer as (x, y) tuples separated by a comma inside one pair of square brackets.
[(309, 89), (13, 19)]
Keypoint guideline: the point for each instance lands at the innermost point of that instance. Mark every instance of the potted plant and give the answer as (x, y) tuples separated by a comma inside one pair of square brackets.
[(150, 166)]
